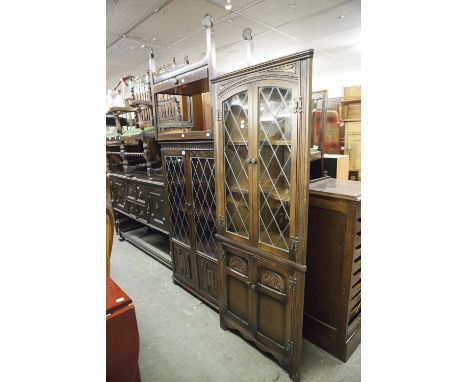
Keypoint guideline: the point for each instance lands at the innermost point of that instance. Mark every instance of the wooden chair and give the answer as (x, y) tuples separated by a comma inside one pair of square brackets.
[(142, 102)]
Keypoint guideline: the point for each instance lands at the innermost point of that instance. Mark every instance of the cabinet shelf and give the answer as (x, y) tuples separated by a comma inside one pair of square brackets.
[(239, 190), (275, 142), (280, 194), (236, 143)]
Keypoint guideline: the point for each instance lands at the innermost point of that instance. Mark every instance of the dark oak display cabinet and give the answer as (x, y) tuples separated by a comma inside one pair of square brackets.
[(332, 306), (190, 188), (262, 163)]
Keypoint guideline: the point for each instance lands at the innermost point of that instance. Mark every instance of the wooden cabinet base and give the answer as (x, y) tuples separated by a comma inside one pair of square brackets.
[(332, 304)]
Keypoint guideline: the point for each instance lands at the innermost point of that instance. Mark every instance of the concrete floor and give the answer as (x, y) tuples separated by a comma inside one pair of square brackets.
[(180, 337)]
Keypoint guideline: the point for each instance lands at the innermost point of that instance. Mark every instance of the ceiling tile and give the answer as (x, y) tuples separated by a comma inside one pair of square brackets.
[(126, 52), (326, 22), (276, 13), (110, 37), (236, 4), (121, 15), (180, 19), (339, 40)]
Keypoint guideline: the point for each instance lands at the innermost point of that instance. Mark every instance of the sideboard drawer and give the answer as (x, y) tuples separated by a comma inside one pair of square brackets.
[(156, 210)]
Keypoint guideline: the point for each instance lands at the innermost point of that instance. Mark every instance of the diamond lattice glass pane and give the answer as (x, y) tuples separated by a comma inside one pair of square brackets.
[(236, 180), (177, 198), (274, 153), (203, 182)]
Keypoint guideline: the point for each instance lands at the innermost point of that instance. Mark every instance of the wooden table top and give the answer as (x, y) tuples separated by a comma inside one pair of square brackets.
[(116, 298), (337, 188)]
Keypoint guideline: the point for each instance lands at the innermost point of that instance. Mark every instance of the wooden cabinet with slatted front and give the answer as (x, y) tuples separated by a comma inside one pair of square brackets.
[(332, 304)]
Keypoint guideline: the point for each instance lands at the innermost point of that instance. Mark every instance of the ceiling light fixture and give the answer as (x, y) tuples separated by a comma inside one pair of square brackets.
[(293, 5), (228, 5), (143, 46), (154, 38), (341, 17), (124, 36)]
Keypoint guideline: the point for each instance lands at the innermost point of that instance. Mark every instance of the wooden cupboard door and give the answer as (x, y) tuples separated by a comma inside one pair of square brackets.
[(202, 173), (119, 193), (235, 175), (177, 199), (208, 277), (236, 302), (183, 262), (353, 148), (275, 171), (155, 208), (272, 309)]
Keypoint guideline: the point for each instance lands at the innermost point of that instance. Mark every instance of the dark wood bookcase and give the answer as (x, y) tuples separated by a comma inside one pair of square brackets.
[(262, 164)]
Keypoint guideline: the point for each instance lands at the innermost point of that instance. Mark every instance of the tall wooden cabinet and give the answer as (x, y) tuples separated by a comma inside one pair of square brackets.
[(189, 171), (262, 163)]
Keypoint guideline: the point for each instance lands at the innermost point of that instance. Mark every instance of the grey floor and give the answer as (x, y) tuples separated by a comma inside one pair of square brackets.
[(180, 337)]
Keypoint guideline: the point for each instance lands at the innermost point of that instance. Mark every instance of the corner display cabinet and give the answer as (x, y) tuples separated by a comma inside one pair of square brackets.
[(190, 189), (262, 161)]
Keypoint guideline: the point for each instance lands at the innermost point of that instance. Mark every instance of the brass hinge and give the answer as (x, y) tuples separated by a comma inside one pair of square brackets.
[(294, 245), (221, 222), (292, 282), (290, 347), (297, 105), (219, 115), (223, 254)]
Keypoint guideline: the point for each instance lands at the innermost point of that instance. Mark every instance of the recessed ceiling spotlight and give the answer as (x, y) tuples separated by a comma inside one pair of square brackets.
[(143, 46), (154, 38), (293, 5), (132, 48), (231, 20), (162, 11), (124, 36), (228, 5), (341, 17)]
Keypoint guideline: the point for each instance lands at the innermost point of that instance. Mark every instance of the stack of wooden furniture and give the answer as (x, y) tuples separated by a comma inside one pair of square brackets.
[(351, 116), (136, 177)]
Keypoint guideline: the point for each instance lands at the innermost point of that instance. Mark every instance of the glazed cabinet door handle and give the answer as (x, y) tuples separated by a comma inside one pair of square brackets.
[(251, 285)]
